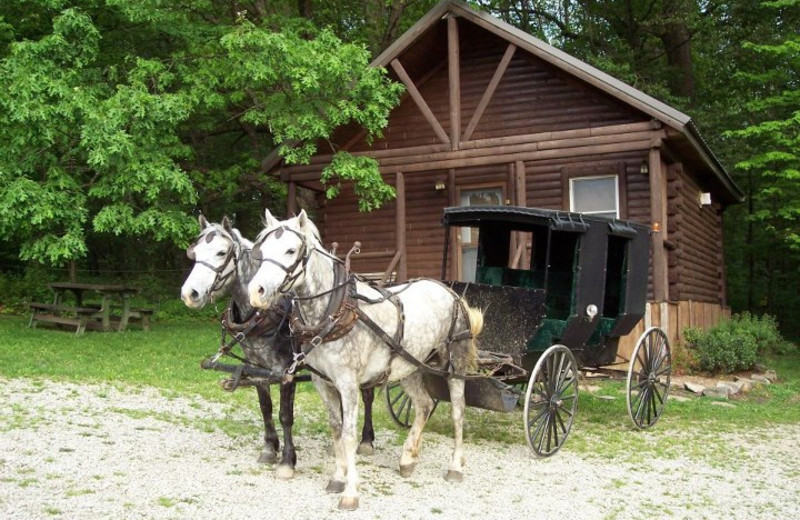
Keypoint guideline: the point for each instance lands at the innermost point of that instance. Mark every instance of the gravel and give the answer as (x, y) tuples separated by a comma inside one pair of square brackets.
[(104, 451)]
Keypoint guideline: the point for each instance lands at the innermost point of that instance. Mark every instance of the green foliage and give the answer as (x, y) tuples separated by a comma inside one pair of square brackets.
[(123, 117), (736, 344), (369, 187)]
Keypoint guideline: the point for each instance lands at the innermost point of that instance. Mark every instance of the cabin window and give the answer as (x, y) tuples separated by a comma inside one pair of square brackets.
[(595, 195)]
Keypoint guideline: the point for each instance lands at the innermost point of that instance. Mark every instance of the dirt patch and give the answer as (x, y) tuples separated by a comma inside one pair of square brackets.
[(97, 451)]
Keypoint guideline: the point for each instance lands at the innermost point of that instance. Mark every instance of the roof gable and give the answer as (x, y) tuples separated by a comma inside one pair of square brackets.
[(426, 37)]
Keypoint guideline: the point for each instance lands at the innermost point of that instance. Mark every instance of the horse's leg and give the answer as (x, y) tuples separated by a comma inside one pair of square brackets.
[(330, 397), (288, 457), (455, 472), (365, 447), (348, 392), (270, 453), (423, 406)]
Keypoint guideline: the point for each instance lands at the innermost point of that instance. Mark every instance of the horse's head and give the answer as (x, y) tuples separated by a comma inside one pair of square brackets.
[(282, 249), (214, 254)]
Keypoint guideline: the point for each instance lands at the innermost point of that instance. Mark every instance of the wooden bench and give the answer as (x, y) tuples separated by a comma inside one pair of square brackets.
[(77, 317), (142, 316), (137, 315)]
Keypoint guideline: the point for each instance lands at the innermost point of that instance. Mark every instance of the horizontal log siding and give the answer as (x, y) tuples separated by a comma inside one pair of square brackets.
[(696, 263), (531, 97), (424, 231), (340, 221)]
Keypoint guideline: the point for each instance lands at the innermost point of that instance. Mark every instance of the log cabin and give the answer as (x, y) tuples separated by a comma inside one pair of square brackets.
[(492, 115)]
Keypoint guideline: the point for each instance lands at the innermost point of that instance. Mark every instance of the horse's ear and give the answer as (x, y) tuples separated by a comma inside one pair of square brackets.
[(203, 222), (269, 220), (302, 219), (226, 224)]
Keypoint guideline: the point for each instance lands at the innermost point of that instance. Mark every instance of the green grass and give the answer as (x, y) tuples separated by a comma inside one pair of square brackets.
[(168, 358)]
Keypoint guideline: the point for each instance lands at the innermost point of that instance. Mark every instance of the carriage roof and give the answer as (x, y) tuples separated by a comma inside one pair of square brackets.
[(520, 217)]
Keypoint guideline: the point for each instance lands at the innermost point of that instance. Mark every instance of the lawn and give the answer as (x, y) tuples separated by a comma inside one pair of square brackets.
[(168, 358)]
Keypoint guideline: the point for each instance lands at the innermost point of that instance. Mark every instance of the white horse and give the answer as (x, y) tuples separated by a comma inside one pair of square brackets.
[(425, 317), (223, 266)]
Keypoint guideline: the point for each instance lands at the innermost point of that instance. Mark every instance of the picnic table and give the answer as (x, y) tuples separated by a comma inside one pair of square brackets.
[(113, 311)]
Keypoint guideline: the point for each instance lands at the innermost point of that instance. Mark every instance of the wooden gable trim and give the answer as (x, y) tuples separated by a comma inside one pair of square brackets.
[(634, 134), (489, 92), (454, 78), (427, 113)]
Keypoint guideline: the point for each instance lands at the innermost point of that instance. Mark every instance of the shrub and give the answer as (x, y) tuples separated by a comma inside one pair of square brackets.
[(736, 344)]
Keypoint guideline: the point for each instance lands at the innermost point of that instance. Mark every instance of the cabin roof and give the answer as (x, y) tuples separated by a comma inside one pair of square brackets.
[(649, 105)]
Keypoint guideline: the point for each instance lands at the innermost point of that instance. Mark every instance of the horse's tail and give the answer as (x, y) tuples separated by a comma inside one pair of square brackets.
[(475, 319)]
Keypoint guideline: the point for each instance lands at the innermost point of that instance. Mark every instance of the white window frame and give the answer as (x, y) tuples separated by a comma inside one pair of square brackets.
[(594, 177)]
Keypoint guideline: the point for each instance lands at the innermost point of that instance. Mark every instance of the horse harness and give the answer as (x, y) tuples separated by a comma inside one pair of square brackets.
[(341, 314)]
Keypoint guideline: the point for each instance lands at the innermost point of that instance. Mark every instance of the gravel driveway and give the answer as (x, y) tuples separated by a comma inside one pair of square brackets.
[(95, 451)]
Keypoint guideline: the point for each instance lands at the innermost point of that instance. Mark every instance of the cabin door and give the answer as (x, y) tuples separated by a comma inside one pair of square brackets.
[(490, 195)]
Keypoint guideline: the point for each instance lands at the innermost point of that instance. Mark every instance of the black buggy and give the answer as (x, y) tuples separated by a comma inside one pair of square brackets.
[(558, 290)]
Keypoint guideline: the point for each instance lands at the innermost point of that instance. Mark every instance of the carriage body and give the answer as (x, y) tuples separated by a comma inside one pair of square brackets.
[(546, 277), (557, 290)]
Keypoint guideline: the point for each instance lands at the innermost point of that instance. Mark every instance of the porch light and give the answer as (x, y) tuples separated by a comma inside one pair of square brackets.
[(644, 168)]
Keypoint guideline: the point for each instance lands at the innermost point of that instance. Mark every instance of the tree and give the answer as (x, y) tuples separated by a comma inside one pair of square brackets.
[(766, 140), (118, 116)]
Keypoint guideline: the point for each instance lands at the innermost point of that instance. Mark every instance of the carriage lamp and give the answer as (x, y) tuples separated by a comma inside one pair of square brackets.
[(591, 311), (656, 227)]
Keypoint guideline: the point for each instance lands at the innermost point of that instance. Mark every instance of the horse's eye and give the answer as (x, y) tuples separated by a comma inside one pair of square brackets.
[(291, 251), (221, 254)]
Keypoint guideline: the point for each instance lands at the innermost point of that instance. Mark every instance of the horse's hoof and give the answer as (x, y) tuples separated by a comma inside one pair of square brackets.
[(365, 448), (268, 457), (348, 503), (284, 472), (454, 476), (334, 486), (407, 470)]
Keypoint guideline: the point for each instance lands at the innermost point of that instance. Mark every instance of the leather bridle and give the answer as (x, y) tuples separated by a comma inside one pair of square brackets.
[(293, 271), (219, 279)]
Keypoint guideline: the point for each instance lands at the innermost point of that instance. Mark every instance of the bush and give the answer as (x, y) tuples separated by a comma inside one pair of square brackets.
[(736, 344)]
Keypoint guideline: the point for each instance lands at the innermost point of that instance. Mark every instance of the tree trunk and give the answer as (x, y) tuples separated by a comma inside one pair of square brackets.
[(677, 40), (304, 9)]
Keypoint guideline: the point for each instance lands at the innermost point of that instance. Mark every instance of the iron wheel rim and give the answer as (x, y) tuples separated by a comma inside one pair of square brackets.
[(399, 405), (551, 401), (649, 375)]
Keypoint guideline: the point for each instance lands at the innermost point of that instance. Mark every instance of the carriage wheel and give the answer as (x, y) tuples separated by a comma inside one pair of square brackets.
[(551, 400), (399, 404), (648, 378)]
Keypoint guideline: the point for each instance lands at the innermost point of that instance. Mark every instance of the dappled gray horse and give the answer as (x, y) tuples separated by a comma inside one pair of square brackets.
[(223, 266), (352, 334)]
